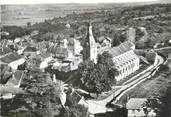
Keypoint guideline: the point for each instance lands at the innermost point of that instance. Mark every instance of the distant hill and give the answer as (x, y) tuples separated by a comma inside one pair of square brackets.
[(164, 1), (21, 14)]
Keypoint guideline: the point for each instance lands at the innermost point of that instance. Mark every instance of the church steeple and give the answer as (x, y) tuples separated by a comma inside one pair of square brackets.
[(90, 46)]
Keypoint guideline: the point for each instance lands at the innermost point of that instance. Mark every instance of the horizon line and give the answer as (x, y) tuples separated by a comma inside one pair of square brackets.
[(25, 2)]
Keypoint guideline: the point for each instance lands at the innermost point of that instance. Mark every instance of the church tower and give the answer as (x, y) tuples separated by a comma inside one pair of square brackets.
[(90, 46)]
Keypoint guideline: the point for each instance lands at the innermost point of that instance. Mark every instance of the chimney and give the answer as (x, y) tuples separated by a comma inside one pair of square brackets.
[(54, 78)]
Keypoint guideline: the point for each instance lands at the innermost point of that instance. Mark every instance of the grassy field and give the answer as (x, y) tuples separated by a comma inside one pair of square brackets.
[(156, 86)]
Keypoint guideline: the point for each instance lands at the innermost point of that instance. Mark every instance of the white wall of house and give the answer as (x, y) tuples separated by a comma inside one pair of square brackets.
[(14, 65), (136, 113), (77, 47)]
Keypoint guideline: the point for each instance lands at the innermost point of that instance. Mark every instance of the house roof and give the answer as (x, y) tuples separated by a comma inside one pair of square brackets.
[(42, 45), (128, 44), (71, 41), (58, 51), (4, 42), (5, 50), (135, 103), (30, 49), (5, 73), (10, 57), (45, 54), (5, 77), (102, 38), (16, 80)]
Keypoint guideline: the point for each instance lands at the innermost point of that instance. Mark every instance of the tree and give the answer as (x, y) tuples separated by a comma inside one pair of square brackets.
[(106, 59), (151, 56), (122, 37), (42, 99), (14, 31), (28, 24), (153, 103), (148, 43), (139, 34), (73, 109), (116, 40), (98, 77), (164, 68)]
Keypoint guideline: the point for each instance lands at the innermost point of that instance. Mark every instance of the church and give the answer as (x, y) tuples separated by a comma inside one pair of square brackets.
[(90, 46), (123, 56)]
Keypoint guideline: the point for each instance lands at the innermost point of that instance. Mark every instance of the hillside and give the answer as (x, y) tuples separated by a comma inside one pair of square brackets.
[(159, 87)]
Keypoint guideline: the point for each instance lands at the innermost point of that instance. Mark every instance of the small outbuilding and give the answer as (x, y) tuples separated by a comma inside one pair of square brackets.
[(135, 107)]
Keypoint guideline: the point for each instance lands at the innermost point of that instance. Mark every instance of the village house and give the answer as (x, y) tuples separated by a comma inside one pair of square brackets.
[(58, 52), (12, 85), (107, 42), (46, 58), (43, 46), (5, 73), (136, 108), (30, 51), (4, 33), (12, 59), (74, 46), (17, 40), (67, 54), (67, 64), (20, 50), (5, 50)]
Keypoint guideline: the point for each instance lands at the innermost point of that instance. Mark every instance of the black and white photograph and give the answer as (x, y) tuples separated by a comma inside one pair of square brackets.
[(85, 58)]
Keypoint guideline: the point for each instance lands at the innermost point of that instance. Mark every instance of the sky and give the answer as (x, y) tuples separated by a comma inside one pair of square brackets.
[(69, 1)]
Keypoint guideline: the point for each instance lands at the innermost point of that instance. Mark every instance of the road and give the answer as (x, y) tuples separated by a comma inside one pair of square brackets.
[(164, 49), (99, 106)]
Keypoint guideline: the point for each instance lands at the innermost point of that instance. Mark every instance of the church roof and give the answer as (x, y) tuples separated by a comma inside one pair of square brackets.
[(115, 51)]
